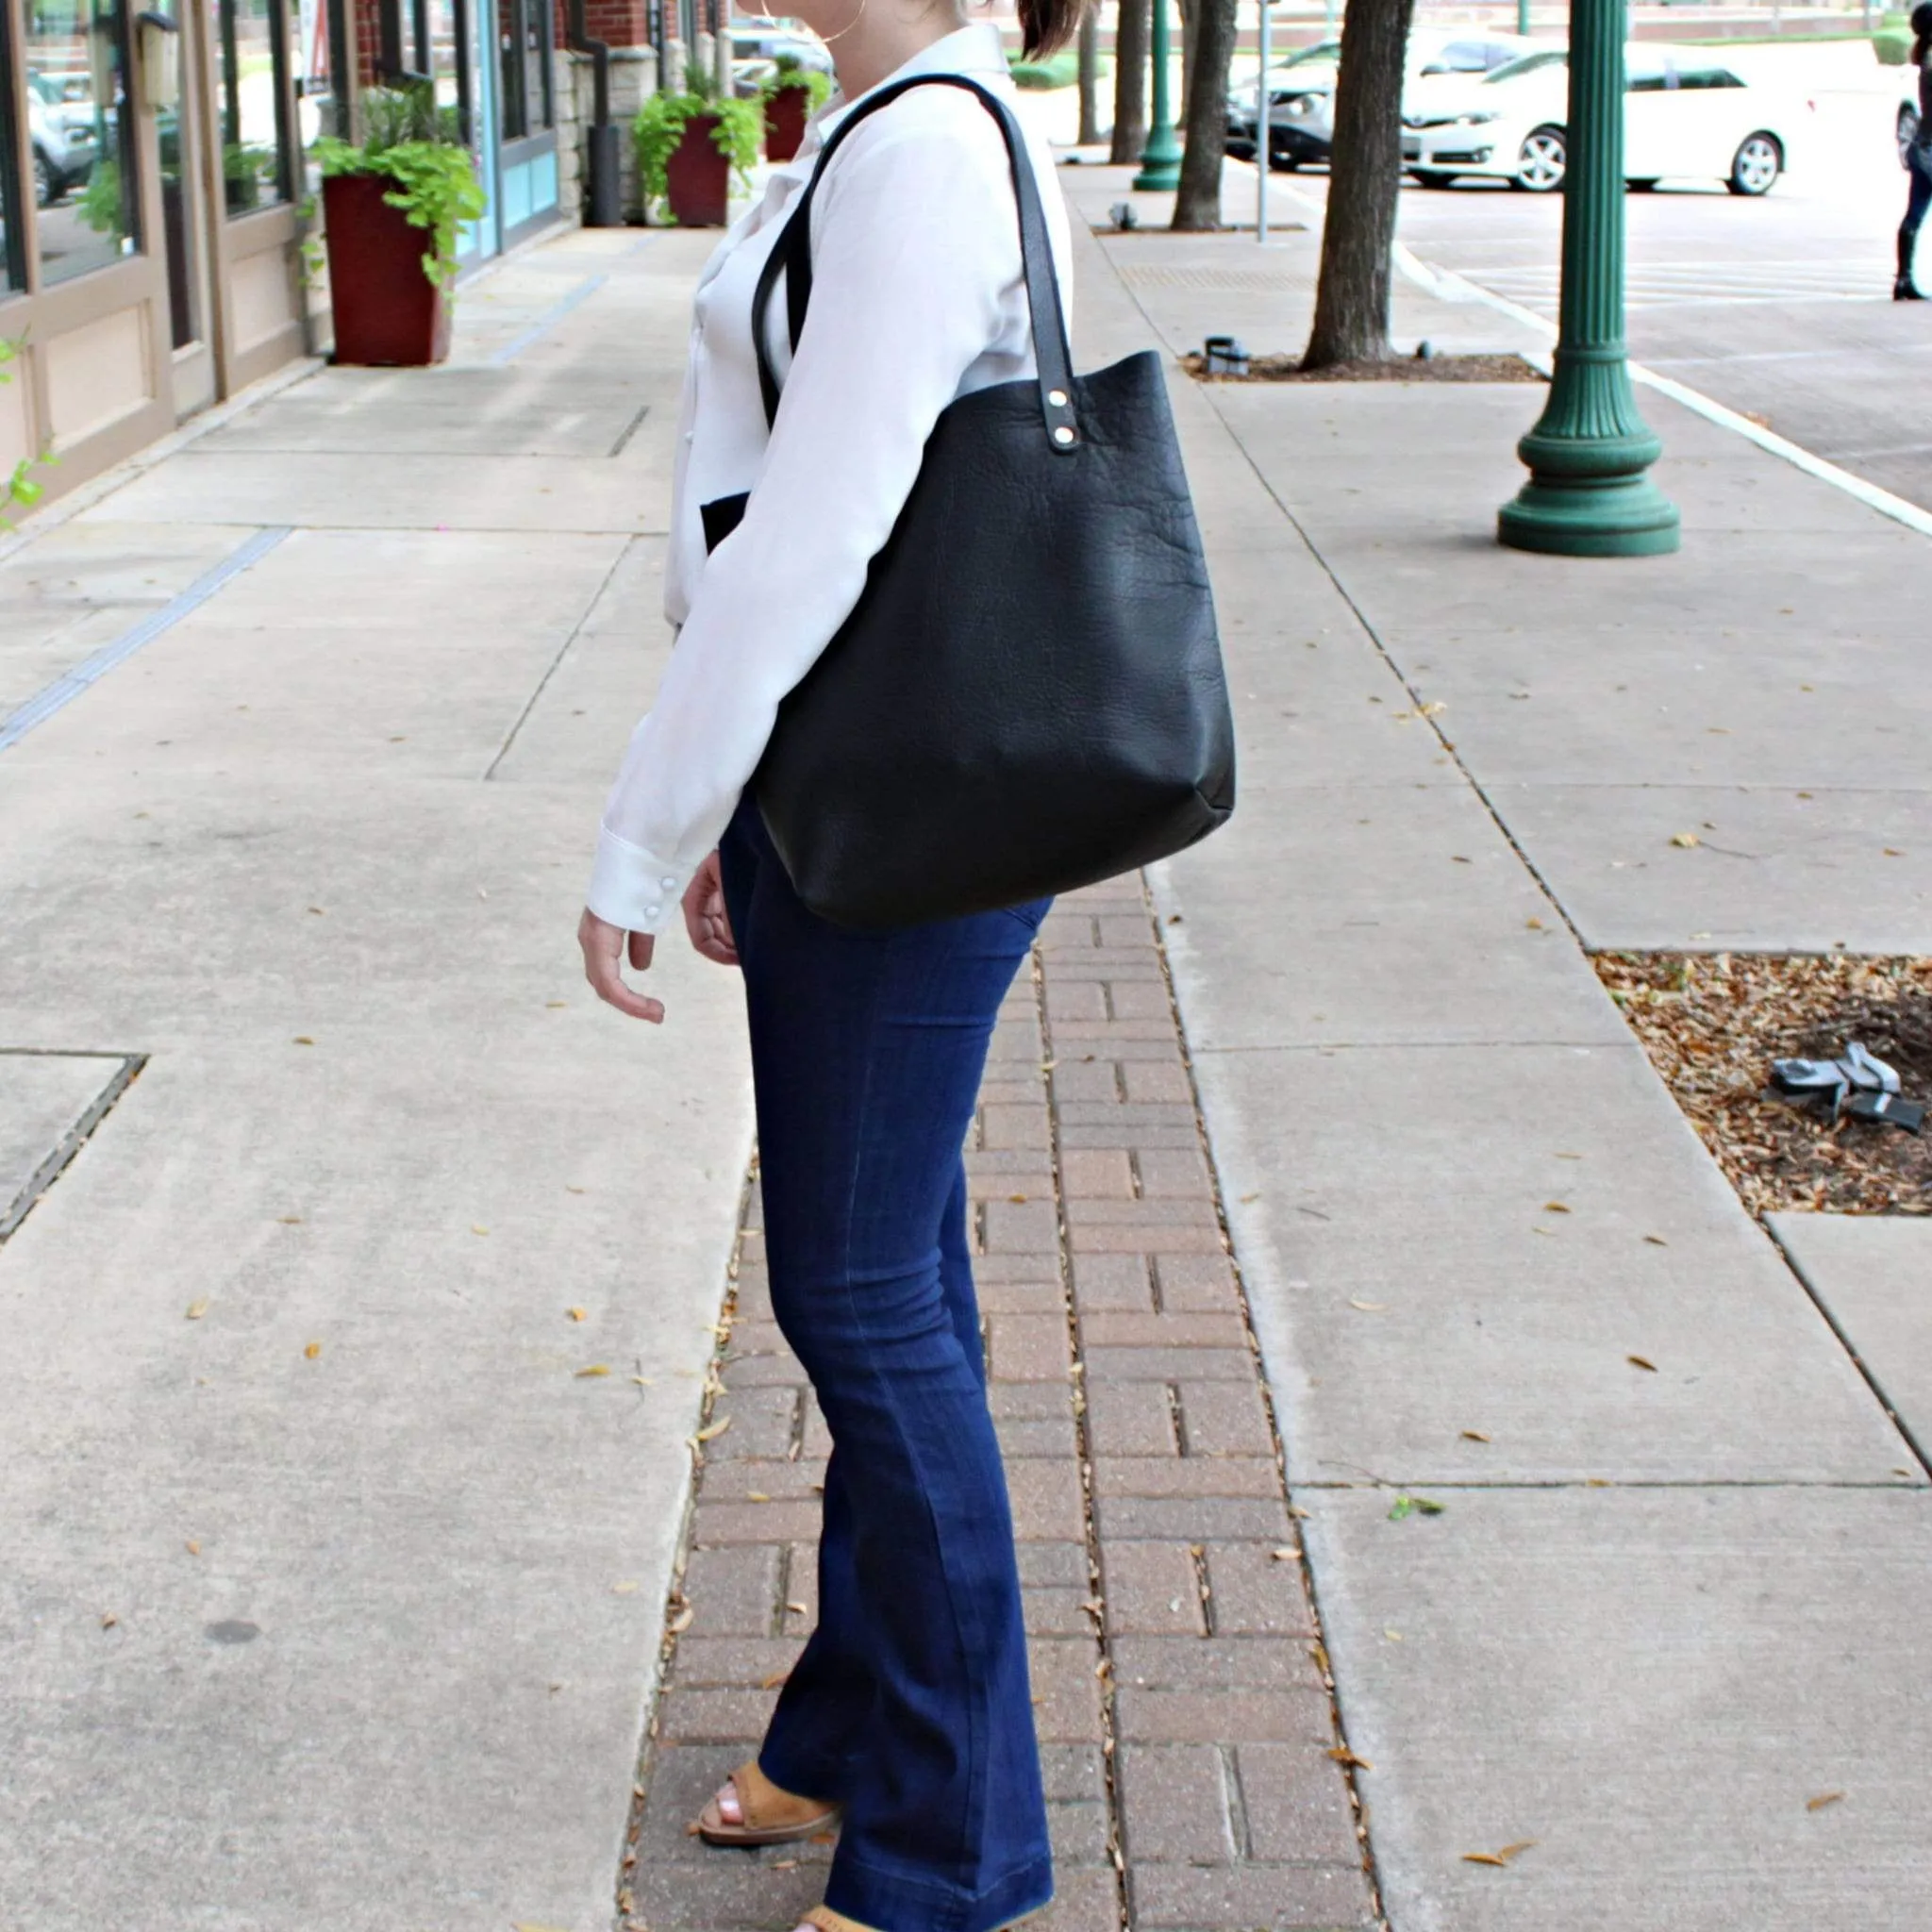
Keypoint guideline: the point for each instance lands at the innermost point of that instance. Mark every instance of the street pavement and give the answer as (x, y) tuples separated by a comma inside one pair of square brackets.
[(1778, 307), (367, 1637)]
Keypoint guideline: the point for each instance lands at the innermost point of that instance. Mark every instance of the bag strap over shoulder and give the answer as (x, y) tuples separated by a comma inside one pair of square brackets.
[(791, 257)]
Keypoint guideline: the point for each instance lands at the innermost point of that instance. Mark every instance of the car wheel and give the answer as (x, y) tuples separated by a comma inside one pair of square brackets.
[(1756, 165), (46, 183), (1283, 164), (1643, 184), (1907, 133), (1431, 177), (1541, 162)]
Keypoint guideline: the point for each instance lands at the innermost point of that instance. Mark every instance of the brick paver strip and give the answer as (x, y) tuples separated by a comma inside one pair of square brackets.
[(1186, 1722)]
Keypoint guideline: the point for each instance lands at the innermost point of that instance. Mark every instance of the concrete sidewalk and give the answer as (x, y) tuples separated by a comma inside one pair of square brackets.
[(367, 1638), (335, 1590), (1663, 1610)]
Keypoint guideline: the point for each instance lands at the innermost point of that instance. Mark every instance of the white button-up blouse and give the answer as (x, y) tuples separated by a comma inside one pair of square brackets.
[(918, 299)]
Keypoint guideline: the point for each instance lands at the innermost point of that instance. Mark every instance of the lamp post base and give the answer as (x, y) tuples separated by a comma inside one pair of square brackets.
[(1612, 516), (1160, 164)]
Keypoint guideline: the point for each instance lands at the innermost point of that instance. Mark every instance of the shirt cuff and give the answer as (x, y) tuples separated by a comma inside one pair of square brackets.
[(630, 888)]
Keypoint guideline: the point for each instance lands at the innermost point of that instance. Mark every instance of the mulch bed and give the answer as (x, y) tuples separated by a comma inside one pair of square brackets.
[(1510, 368), (1712, 1024)]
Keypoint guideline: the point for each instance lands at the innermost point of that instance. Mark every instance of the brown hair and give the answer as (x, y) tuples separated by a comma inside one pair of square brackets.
[(1049, 24), (1922, 31)]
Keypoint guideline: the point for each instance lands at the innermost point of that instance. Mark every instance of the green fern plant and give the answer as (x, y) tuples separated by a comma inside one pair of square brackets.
[(791, 72), (660, 127), (415, 143)]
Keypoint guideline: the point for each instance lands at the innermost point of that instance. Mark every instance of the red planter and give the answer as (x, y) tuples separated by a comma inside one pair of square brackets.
[(785, 116), (697, 177), (387, 313)]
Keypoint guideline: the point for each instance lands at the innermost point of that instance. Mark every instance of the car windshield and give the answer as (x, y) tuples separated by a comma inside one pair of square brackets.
[(1529, 63)]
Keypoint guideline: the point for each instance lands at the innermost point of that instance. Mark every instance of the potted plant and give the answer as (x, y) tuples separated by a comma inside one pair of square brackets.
[(690, 147), (792, 92), (410, 182)]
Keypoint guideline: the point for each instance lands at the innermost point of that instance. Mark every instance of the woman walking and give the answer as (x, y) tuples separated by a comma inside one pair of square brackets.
[(907, 1719), (1917, 157)]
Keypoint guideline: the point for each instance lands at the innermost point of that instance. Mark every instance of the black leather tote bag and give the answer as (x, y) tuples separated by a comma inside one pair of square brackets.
[(1028, 695)]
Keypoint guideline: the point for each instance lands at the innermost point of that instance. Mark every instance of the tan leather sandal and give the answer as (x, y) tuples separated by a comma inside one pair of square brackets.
[(768, 1815)]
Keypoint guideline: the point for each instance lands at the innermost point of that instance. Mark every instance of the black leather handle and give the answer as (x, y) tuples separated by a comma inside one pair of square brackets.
[(791, 257)]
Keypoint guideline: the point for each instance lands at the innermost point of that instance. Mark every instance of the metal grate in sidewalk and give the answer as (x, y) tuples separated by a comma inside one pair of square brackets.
[(1185, 1714)]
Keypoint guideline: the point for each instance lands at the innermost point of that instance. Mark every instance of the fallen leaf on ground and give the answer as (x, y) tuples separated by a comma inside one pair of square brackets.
[(1821, 1800), (755, 1496), (681, 1622), (196, 1309), (1638, 1361), (1534, 925), (478, 1230), (1296, 1509), (1475, 1434), (799, 1608), (1407, 1505), (626, 1588), (1657, 1241), (1556, 1207), (313, 1350), (772, 1682), (108, 1620), (595, 1369), (192, 1547), (553, 1004), (578, 1314), (1501, 1857), (1016, 1197), (302, 1040), (1686, 841), (712, 1431), (1342, 1755), (1367, 1307)]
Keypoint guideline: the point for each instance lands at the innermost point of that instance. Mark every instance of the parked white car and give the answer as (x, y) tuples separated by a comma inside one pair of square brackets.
[(1686, 113), (1300, 123)]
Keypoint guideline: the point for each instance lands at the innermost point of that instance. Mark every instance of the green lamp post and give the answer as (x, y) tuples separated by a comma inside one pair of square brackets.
[(1588, 493), (1161, 159)]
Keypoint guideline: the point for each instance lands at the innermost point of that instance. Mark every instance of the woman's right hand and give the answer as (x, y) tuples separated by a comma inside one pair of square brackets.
[(706, 917)]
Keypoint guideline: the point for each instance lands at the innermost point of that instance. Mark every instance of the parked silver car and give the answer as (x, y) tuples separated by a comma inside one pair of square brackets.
[(65, 138)]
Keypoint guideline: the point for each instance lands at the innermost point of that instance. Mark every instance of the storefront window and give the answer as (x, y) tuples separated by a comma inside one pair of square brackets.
[(525, 32), (12, 268), (83, 127), (251, 37)]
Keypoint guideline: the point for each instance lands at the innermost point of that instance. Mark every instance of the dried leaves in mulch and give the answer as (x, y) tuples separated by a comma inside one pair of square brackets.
[(1712, 1024), (1389, 369)]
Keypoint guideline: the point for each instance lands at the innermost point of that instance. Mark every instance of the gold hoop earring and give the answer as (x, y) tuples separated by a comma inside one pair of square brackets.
[(827, 39)]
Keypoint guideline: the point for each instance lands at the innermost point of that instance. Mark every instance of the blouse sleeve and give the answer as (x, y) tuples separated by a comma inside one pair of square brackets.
[(916, 245)]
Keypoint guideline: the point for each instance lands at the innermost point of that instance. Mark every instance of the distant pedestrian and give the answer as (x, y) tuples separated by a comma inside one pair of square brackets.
[(907, 1722), (1918, 158)]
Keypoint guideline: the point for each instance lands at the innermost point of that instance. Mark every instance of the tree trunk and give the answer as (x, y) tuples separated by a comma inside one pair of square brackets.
[(1133, 24), (1364, 179), (1198, 205), (1090, 77)]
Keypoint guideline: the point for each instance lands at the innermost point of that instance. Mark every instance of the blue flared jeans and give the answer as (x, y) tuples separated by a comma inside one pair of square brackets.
[(910, 1704)]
